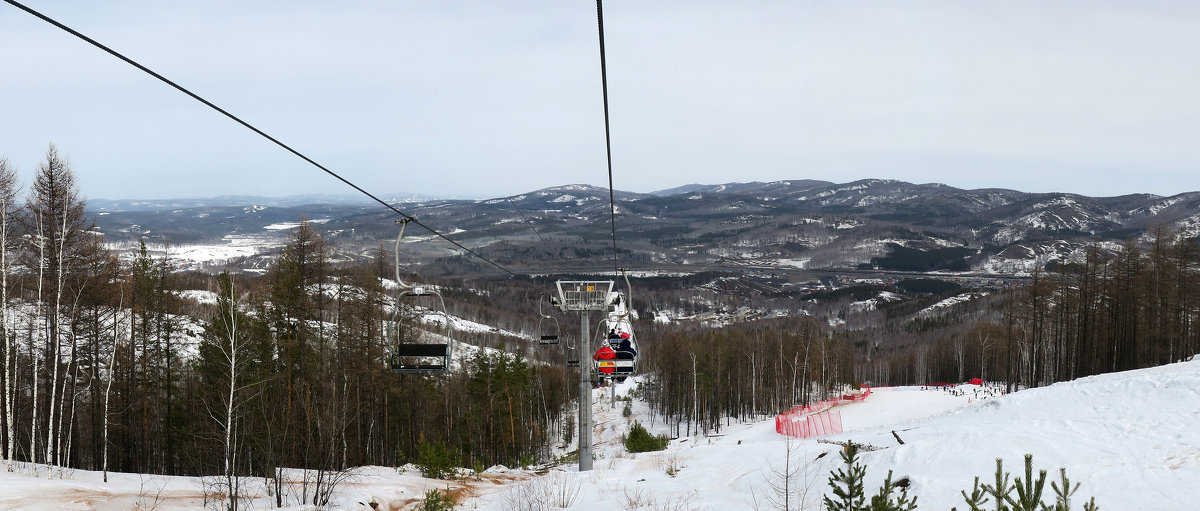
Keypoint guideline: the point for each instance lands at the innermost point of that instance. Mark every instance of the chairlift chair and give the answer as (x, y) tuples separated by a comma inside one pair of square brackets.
[(409, 357), (572, 356), (548, 327), (615, 332), (621, 361)]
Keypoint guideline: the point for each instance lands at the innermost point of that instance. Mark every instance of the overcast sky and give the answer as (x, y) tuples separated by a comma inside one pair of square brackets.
[(486, 99)]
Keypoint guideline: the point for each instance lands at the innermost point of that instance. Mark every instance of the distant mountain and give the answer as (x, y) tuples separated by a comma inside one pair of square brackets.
[(740, 187), (792, 225), (245, 200)]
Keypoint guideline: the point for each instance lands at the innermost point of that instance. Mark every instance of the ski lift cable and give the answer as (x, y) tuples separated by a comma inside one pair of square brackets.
[(527, 221), (249, 126), (612, 207)]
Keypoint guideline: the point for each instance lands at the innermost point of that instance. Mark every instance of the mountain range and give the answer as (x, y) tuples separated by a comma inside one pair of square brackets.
[(783, 225)]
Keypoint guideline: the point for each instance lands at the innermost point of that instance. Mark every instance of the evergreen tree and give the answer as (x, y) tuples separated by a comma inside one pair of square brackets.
[(847, 483)]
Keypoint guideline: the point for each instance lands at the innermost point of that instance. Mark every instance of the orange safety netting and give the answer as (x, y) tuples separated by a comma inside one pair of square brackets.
[(815, 419)]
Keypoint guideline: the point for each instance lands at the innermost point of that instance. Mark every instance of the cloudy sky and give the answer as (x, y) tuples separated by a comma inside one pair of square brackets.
[(479, 98)]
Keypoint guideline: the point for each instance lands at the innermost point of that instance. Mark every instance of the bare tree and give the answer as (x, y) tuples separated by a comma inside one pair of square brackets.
[(112, 359), (34, 339), (959, 345), (8, 192), (55, 357), (985, 341), (225, 346), (787, 487)]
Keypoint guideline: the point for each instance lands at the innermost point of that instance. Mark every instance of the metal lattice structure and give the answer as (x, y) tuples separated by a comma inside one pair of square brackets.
[(584, 295)]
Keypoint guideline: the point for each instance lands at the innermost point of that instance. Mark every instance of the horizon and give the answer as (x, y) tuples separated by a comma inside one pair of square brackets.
[(351, 194)]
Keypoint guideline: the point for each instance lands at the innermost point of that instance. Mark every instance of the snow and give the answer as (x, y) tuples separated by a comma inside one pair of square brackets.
[(292, 225), (1157, 208), (462, 325), (795, 263), (200, 255), (1128, 438), (200, 296), (1189, 227), (950, 302), (846, 224)]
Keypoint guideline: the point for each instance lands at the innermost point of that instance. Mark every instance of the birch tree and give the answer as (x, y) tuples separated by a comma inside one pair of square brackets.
[(225, 358), (8, 192), (59, 246)]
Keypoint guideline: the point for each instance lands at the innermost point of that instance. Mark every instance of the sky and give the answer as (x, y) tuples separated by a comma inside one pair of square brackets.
[(483, 99)]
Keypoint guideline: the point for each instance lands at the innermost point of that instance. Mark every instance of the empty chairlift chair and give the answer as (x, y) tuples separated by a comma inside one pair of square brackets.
[(548, 328), (416, 350)]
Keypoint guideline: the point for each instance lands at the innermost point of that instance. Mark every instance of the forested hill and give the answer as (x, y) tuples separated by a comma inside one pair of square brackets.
[(890, 225)]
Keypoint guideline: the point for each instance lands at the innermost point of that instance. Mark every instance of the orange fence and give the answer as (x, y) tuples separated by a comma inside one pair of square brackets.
[(815, 419)]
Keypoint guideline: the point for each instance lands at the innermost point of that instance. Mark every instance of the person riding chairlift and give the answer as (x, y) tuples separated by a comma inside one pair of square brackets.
[(625, 349)]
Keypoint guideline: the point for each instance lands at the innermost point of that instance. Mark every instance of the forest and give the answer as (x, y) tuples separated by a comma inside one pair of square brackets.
[(111, 364)]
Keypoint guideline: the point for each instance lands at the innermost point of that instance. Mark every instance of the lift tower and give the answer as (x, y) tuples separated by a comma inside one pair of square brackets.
[(584, 297)]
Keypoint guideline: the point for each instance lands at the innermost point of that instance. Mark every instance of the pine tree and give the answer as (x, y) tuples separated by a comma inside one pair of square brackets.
[(1029, 490), (885, 501), (847, 483)]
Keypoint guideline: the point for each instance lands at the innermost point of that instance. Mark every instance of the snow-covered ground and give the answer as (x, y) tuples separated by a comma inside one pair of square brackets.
[(1131, 439), (197, 256)]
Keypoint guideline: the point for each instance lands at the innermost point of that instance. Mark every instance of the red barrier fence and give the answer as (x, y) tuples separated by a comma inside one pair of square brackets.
[(821, 424), (815, 419)]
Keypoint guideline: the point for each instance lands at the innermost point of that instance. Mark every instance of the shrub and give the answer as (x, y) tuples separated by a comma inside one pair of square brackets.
[(640, 440), (436, 461), (437, 500)]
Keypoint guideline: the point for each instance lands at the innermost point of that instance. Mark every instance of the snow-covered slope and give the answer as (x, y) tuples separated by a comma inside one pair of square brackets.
[(1128, 438)]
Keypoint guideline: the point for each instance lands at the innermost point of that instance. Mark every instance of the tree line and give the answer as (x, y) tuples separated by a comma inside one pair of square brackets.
[(1122, 307), (1119, 308), (703, 378)]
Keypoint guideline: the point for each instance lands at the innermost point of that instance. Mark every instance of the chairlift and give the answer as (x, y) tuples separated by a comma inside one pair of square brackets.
[(616, 355), (548, 327), (570, 351), (572, 356), (410, 357)]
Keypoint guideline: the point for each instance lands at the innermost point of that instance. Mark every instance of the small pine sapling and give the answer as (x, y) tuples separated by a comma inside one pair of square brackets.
[(437, 500), (976, 499), (884, 501), (1001, 489), (1029, 491), (847, 484), (1063, 492)]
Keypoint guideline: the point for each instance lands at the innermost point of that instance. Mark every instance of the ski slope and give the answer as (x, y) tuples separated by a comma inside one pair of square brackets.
[(1130, 439)]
